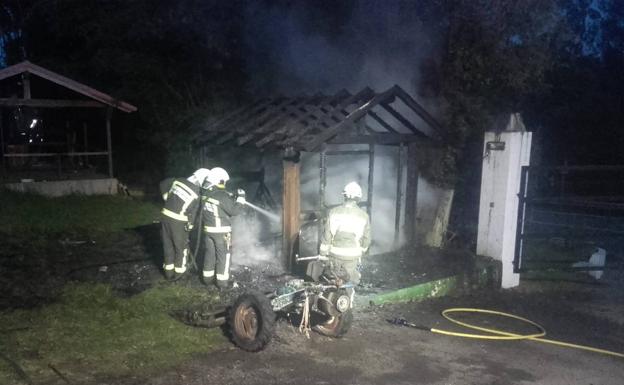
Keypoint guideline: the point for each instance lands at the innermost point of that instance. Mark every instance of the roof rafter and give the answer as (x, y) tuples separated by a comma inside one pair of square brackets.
[(28, 67), (306, 123)]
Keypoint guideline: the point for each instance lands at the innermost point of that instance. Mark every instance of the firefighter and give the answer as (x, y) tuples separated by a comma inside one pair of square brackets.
[(219, 206), (346, 235), (181, 207), (165, 186)]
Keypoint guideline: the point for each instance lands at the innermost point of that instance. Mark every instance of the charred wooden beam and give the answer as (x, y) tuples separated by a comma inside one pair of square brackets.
[(403, 120), (366, 93), (224, 124), (353, 116), (380, 138), (267, 119), (325, 113), (382, 122), (277, 126), (420, 110), (348, 152), (223, 119), (245, 116), (236, 130)]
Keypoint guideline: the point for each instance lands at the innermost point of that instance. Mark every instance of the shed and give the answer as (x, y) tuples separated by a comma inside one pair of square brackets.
[(35, 133), (323, 127)]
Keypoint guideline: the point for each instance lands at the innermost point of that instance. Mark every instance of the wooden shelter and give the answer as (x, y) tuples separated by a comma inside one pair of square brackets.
[(311, 123), (83, 96)]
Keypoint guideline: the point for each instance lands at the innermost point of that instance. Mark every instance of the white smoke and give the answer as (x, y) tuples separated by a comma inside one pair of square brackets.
[(342, 169), (255, 240), (381, 43)]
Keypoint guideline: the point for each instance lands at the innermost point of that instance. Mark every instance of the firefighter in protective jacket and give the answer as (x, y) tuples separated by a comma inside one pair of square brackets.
[(181, 207), (219, 206), (164, 186), (346, 236)]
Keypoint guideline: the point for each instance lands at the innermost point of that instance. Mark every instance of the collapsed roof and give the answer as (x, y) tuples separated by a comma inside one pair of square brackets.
[(307, 122)]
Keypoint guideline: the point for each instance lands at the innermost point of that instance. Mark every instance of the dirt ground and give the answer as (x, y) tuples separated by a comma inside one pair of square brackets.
[(374, 351), (377, 352)]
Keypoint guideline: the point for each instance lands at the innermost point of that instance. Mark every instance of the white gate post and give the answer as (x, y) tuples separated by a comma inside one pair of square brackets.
[(504, 154)]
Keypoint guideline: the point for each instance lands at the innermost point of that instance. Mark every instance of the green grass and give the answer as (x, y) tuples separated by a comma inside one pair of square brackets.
[(33, 213), (92, 332)]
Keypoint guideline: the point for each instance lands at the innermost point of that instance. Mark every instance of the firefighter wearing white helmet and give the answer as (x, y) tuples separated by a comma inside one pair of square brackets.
[(218, 208), (181, 207), (346, 236)]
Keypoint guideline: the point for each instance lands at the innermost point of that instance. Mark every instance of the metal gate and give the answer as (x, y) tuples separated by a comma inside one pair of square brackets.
[(569, 218)]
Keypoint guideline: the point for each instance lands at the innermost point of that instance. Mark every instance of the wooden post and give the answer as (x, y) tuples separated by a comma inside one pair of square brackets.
[(371, 180), (2, 141), (85, 143), (26, 85), (291, 209), (399, 196), (109, 141), (59, 165), (322, 186), (411, 193)]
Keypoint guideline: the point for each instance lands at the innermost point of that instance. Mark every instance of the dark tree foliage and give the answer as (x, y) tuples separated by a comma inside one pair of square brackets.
[(175, 60)]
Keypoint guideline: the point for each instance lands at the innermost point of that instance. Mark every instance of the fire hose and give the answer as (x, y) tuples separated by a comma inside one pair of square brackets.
[(496, 334)]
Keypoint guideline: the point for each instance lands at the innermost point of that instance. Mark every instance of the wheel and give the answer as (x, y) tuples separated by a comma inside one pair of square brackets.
[(337, 326), (252, 321)]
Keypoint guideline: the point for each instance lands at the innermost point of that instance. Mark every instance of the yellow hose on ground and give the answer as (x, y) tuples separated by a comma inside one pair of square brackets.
[(503, 335)]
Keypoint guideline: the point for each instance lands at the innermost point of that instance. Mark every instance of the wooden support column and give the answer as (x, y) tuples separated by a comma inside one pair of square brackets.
[(2, 149), (322, 186), (399, 196), (85, 143), (26, 85), (371, 180), (323, 178), (109, 141), (291, 210), (411, 193)]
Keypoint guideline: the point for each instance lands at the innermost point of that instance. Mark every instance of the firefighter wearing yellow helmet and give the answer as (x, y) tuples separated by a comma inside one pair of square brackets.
[(346, 236), (181, 207), (218, 208)]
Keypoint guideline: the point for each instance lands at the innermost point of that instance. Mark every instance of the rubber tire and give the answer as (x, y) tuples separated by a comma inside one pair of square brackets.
[(264, 317), (337, 326)]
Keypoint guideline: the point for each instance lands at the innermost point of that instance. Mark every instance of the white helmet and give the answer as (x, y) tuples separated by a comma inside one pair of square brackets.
[(218, 176), (199, 176), (352, 191)]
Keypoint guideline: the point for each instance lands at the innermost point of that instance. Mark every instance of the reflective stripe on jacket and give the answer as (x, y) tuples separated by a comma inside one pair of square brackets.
[(218, 207), (182, 201), (164, 186), (347, 232)]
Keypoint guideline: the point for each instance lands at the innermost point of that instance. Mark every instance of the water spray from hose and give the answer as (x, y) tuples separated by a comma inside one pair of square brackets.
[(270, 215)]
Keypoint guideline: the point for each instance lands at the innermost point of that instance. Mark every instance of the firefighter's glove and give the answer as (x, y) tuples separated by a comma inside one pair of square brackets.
[(188, 226), (240, 196)]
